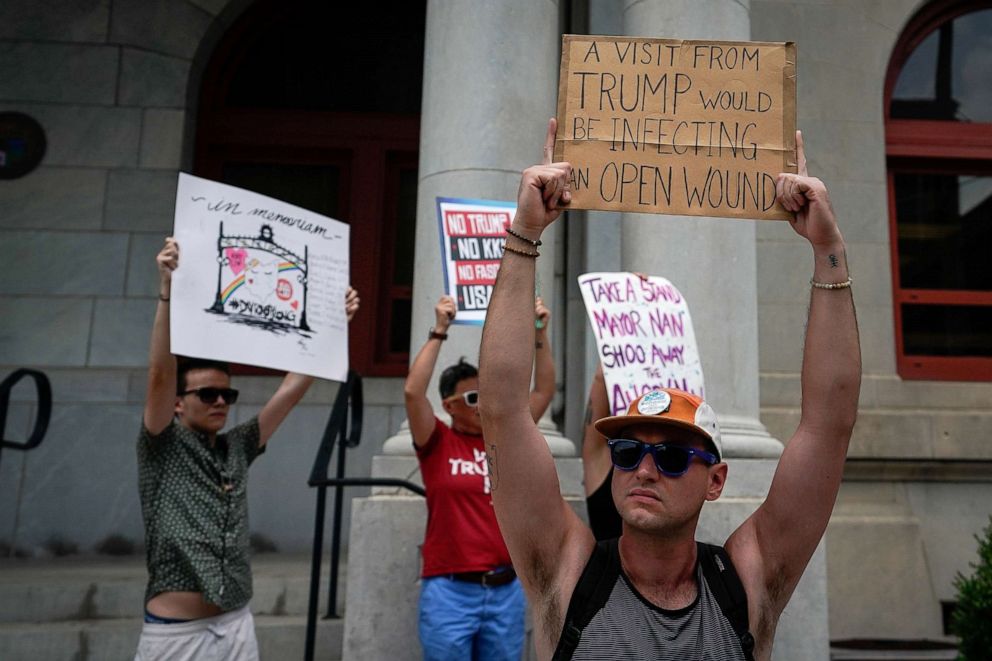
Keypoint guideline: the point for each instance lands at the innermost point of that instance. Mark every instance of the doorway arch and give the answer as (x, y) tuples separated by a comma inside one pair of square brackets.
[(318, 104)]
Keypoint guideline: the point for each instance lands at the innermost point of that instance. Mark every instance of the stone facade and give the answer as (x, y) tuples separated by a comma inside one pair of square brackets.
[(113, 89), (114, 86)]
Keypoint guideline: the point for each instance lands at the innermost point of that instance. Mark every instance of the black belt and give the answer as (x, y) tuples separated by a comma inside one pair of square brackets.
[(490, 579)]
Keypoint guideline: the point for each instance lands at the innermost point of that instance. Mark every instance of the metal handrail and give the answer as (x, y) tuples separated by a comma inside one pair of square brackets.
[(374, 482), (349, 400), (44, 389)]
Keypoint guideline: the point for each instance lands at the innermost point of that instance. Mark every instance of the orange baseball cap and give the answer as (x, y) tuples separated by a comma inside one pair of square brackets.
[(668, 407)]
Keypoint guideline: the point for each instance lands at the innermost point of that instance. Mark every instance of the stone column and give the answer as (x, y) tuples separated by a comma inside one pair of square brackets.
[(490, 84), (713, 263)]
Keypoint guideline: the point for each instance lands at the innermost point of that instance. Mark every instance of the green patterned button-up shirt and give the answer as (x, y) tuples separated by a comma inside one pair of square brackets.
[(194, 503)]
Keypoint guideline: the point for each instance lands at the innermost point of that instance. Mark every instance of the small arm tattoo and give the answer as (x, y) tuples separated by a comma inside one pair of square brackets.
[(834, 262), (493, 473)]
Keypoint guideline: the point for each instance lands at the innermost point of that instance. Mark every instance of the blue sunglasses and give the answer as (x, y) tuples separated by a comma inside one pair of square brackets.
[(671, 460)]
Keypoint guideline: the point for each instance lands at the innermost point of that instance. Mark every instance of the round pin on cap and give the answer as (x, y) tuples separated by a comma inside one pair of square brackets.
[(655, 402)]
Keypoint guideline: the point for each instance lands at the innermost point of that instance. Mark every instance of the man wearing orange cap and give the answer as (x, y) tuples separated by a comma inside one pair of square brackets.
[(654, 593)]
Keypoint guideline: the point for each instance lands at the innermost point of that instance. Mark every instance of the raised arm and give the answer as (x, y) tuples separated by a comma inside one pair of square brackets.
[(419, 412), (537, 525), (785, 530), (160, 397), (544, 365), (293, 387)]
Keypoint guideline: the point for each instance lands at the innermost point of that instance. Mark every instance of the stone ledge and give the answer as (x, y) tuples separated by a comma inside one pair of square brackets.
[(917, 470), (886, 392), (921, 434)]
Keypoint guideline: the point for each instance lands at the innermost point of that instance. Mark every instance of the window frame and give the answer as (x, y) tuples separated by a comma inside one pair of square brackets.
[(939, 147)]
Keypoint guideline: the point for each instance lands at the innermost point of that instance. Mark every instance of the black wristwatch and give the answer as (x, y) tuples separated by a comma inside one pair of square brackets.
[(434, 335)]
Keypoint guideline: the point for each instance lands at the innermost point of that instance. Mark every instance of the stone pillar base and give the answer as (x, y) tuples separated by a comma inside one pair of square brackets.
[(380, 620), (745, 437)]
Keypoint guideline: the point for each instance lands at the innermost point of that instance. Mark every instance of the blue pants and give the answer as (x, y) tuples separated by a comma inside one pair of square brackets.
[(461, 621)]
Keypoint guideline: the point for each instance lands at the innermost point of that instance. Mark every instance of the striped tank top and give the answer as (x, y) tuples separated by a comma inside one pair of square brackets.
[(631, 627)]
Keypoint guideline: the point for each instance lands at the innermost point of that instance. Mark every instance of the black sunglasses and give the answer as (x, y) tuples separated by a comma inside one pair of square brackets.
[(671, 460), (209, 395)]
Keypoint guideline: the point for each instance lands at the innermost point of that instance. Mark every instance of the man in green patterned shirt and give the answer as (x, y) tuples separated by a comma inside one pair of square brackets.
[(192, 481)]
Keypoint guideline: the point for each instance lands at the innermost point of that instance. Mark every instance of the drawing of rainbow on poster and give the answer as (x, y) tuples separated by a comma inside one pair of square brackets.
[(472, 235), (260, 281)]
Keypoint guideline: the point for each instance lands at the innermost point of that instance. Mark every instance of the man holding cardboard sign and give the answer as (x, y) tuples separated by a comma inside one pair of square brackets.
[(655, 593)]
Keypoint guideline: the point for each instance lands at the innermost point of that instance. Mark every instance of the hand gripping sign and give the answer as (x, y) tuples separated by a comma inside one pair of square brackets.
[(643, 334)]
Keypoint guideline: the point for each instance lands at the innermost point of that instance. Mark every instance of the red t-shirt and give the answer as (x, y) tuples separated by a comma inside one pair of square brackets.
[(462, 533)]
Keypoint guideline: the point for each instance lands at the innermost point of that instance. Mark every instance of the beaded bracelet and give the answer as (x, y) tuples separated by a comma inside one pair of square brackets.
[(509, 230), (831, 285), (534, 254)]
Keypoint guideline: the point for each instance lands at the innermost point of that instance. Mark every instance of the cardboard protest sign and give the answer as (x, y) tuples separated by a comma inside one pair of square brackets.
[(472, 236), (643, 334), (677, 127), (260, 282)]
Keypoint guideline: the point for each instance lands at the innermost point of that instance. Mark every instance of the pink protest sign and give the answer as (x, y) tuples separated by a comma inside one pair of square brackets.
[(643, 334)]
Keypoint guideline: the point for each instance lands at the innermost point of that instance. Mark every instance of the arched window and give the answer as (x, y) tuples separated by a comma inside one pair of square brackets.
[(938, 137), (318, 103)]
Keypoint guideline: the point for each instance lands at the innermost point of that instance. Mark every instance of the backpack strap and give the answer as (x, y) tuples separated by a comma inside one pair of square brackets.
[(590, 595), (726, 586)]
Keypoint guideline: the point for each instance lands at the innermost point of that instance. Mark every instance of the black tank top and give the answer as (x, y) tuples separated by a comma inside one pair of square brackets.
[(608, 619), (603, 517), (631, 627)]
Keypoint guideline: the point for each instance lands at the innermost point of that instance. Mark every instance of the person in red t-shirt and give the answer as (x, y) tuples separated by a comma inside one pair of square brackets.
[(471, 603)]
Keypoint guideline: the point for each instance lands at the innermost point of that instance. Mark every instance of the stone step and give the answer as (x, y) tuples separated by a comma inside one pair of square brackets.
[(893, 650), (903, 655), (84, 588), (116, 639)]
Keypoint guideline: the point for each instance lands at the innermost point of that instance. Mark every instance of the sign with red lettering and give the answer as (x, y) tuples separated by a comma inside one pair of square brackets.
[(472, 237), (644, 335)]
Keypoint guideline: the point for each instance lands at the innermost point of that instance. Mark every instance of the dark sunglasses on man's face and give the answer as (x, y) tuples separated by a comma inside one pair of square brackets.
[(209, 394), (471, 397), (671, 460)]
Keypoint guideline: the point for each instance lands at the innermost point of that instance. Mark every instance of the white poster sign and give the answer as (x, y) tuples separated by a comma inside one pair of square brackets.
[(472, 236), (260, 282), (644, 336)]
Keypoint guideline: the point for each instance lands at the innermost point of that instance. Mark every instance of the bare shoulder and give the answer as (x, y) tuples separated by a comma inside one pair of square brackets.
[(549, 584)]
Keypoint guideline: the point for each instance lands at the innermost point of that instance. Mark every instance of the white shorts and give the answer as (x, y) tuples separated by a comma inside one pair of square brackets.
[(228, 636)]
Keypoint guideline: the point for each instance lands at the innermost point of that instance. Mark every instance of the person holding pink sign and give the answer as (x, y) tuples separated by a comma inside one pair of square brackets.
[(597, 468), (471, 603), (656, 592)]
